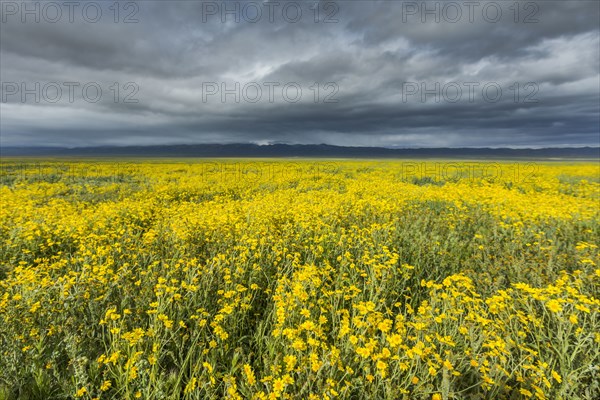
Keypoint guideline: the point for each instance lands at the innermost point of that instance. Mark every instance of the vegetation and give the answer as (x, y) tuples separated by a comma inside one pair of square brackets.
[(304, 280)]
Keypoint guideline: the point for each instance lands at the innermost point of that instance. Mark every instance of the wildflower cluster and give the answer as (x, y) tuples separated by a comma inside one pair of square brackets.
[(163, 283)]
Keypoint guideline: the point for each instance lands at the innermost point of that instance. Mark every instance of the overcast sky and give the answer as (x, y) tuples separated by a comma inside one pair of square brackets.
[(389, 73)]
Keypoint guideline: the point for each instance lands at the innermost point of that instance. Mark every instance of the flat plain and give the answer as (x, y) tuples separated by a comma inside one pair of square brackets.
[(299, 279)]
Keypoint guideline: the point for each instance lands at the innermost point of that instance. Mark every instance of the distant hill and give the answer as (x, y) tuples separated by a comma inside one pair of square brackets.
[(310, 150)]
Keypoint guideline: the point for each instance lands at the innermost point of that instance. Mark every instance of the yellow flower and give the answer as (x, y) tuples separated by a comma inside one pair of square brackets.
[(385, 325), (554, 306), (34, 307), (525, 392), (290, 362), (134, 336), (448, 365), (573, 319), (315, 363), (299, 344), (556, 376), (191, 386), (165, 320), (278, 385), (583, 308), (208, 367), (394, 340), (113, 358), (365, 352), (249, 374)]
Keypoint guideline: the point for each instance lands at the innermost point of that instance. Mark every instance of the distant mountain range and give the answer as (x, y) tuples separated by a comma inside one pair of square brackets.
[(298, 150)]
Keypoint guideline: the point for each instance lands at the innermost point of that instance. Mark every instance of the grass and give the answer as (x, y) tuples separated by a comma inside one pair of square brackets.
[(316, 279)]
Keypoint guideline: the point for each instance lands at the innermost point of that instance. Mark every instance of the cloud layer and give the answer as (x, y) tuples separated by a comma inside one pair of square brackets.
[(389, 73)]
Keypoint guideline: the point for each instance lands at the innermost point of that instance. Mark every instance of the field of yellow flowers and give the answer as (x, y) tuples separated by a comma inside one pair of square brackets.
[(312, 279)]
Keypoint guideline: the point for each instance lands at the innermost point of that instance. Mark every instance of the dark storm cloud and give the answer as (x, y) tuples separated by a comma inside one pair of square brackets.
[(528, 76)]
